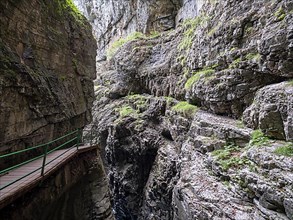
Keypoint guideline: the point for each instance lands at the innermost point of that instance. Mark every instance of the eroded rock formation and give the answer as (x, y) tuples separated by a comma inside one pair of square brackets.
[(168, 112)]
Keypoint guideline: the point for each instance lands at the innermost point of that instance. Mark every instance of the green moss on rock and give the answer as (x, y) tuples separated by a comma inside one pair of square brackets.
[(185, 108), (114, 47), (286, 150), (197, 75)]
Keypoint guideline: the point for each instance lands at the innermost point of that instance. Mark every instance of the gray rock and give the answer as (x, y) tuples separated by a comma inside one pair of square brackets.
[(272, 111)]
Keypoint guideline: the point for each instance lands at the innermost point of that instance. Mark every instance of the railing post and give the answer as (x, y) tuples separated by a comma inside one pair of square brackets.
[(91, 138), (44, 160), (78, 138)]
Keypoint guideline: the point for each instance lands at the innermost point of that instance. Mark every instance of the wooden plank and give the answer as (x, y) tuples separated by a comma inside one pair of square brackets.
[(20, 187)]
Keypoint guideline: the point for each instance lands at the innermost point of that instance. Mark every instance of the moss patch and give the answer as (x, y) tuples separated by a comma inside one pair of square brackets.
[(286, 150), (197, 75), (70, 7), (290, 83), (280, 14), (121, 41), (190, 26), (138, 100), (126, 111), (185, 109), (235, 63), (253, 56)]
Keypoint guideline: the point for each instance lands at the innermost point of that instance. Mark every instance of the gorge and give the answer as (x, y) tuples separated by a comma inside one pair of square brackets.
[(189, 101)]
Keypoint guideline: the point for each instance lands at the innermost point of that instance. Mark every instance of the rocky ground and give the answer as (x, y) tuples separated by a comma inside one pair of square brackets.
[(196, 122)]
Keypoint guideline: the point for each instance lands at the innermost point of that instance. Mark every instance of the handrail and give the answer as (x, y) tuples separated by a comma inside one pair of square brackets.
[(76, 139), (38, 146)]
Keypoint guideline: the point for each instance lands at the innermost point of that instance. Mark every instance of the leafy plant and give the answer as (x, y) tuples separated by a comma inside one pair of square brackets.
[(229, 157), (258, 138)]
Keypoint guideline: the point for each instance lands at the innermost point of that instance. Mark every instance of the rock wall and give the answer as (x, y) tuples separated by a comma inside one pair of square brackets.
[(47, 70), (114, 19), (196, 123)]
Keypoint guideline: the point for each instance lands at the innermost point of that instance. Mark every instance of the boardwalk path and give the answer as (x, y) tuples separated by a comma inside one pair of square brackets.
[(18, 188)]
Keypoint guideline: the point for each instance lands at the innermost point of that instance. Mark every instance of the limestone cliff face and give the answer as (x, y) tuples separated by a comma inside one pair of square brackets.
[(114, 19), (47, 64), (196, 123)]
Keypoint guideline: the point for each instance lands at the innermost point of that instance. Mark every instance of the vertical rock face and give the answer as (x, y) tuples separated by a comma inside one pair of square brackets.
[(113, 19), (168, 109), (47, 55)]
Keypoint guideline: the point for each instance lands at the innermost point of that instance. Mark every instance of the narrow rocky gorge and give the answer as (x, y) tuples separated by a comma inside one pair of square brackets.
[(191, 107), (195, 119)]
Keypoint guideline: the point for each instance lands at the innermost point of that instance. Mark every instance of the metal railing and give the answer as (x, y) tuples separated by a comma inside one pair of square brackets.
[(74, 140)]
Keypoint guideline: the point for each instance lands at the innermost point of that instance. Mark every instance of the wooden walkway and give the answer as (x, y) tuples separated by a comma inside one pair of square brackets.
[(54, 161)]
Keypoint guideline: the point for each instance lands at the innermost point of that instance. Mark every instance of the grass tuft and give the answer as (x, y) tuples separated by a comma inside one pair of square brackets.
[(286, 150), (185, 109), (197, 76), (114, 47)]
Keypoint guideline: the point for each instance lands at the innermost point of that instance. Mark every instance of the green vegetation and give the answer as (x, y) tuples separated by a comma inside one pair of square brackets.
[(153, 34), (290, 82), (213, 30), (138, 100), (197, 75), (235, 63), (114, 47), (240, 124), (120, 42), (213, 2), (280, 14), (248, 30), (126, 111), (75, 64), (230, 157), (258, 138), (286, 150), (253, 56), (69, 6), (185, 109), (182, 60), (190, 26), (169, 100)]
